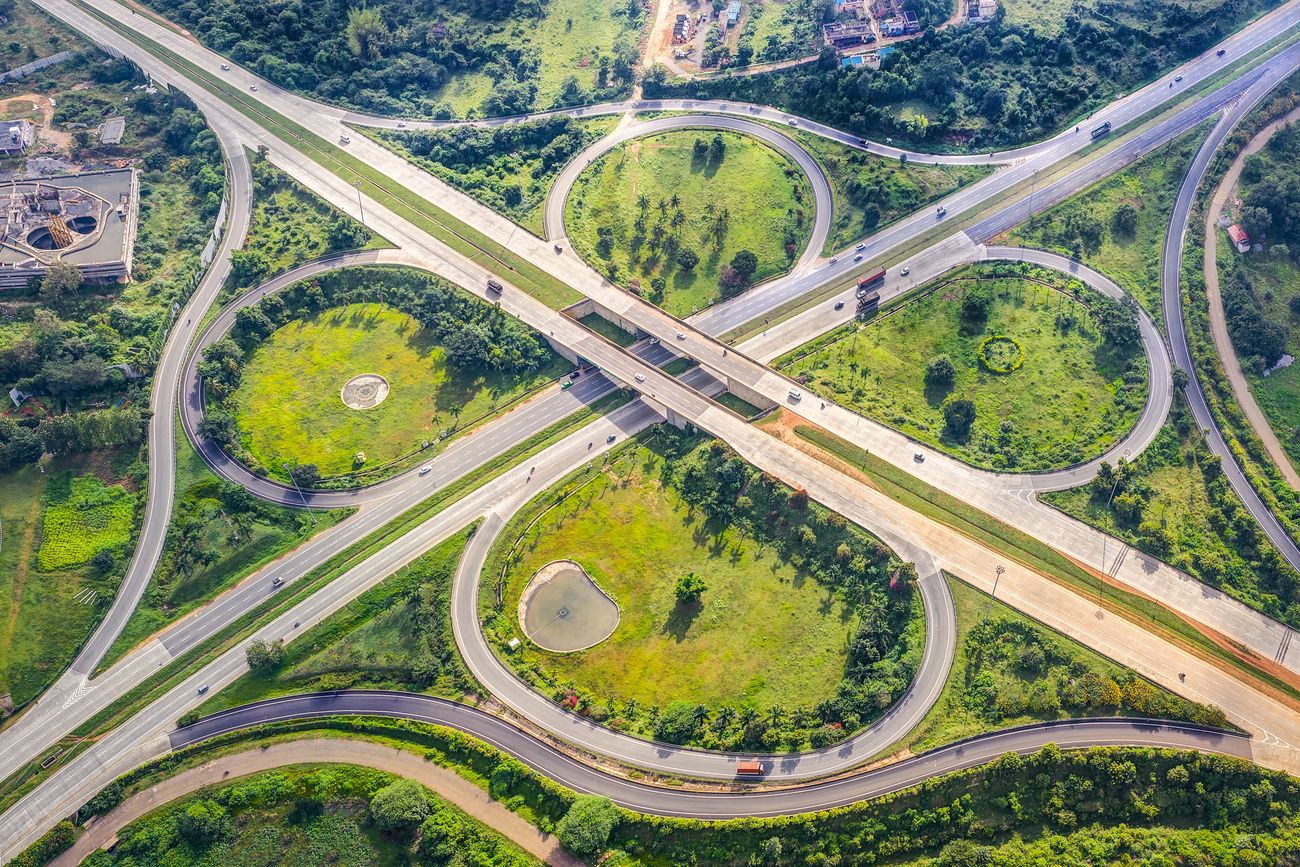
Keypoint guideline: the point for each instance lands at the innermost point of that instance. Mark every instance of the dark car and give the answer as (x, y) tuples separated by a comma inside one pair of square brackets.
[(494, 285)]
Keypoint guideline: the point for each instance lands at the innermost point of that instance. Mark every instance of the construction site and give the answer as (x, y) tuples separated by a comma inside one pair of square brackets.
[(85, 220)]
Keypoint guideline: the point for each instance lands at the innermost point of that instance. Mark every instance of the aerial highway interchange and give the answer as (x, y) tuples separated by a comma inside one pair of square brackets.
[(815, 297)]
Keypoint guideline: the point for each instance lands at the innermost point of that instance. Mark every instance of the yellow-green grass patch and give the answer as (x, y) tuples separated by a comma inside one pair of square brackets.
[(751, 198), (1068, 401), (288, 405)]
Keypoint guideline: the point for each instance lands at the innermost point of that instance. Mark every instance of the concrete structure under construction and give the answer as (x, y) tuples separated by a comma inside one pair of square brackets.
[(86, 220)]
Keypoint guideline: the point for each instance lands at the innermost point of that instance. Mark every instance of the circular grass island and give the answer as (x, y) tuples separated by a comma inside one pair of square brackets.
[(1048, 389), (644, 210), (770, 656), (562, 610), (310, 392)]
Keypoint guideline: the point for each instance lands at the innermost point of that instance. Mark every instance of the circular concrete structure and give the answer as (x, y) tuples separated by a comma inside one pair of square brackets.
[(562, 610), (365, 391)]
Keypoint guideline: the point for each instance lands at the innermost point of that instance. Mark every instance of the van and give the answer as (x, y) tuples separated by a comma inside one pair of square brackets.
[(494, 285), (796, 395)]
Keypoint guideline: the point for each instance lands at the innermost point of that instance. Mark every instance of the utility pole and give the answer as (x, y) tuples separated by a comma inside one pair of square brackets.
[(360, 207)]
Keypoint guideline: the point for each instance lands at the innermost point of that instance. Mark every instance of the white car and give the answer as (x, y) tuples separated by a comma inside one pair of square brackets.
[(792, 122), (253, 87), (640, 377), (424, 470), (905, 271), (401, 124), (834, 259), (345, 138), (681, 335), (861, 247), (225, 67), (277, 580)]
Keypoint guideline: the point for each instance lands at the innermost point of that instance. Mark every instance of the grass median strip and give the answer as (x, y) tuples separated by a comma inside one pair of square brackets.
[(948, 510)]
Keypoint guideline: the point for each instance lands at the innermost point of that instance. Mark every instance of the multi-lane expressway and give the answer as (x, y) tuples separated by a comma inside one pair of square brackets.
[(669, 396)]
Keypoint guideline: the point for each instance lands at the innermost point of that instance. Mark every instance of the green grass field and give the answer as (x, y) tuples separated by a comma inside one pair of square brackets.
[(49, 597), (1183, 520), (288, 406), (871, 192), (1131, 259), (82, 516), (289, 224), (765, 635), (753, 198), (1067, 403)]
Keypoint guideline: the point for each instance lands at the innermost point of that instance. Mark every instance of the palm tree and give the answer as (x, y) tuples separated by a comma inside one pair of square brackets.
[(776, 715), (675, 200)]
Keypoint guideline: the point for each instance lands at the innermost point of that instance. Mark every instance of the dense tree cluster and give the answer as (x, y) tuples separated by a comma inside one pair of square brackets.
[(1259, 339), (985, 87), (394, 56), (1014, 669), (1270, 211), (507, 167)]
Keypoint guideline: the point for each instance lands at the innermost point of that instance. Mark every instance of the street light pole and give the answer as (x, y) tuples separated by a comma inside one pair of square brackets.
[(301, 495), (997, 575), (1113, 489), (360, 207)]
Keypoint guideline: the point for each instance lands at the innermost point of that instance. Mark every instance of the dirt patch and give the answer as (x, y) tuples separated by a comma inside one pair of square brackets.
[(41, 112)]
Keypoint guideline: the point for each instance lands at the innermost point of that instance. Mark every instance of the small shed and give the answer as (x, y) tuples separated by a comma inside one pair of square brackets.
[(1239, 238)]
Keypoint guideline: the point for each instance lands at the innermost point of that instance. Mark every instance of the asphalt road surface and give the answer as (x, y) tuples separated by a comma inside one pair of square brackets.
[(748, 799)]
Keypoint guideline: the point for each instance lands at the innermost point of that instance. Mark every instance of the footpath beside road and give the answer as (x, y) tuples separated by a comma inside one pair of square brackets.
[(448, 785), (1218, 321)]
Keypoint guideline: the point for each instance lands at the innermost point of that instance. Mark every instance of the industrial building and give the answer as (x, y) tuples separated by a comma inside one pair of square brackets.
[(86, 220)]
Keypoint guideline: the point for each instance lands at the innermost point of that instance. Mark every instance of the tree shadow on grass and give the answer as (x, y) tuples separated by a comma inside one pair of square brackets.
[(680, 619), (937, 393)]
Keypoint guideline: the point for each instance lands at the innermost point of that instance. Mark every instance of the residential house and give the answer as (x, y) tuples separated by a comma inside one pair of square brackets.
[(1239, 238), (847, 34)]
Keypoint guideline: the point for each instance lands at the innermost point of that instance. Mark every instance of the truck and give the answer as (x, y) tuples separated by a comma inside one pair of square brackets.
[(868, 304), (871, 279), (1102, 130), (749, 768)]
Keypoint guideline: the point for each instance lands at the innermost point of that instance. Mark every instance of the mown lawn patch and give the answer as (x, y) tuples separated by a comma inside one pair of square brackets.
[(666, 215)]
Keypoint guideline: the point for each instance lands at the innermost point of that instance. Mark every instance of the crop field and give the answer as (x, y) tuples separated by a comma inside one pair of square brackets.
[(288, 406), (638, 209), (1071, 397)]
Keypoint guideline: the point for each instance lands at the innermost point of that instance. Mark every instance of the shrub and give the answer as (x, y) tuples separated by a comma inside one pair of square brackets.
[(399, 807), (585, 829)]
